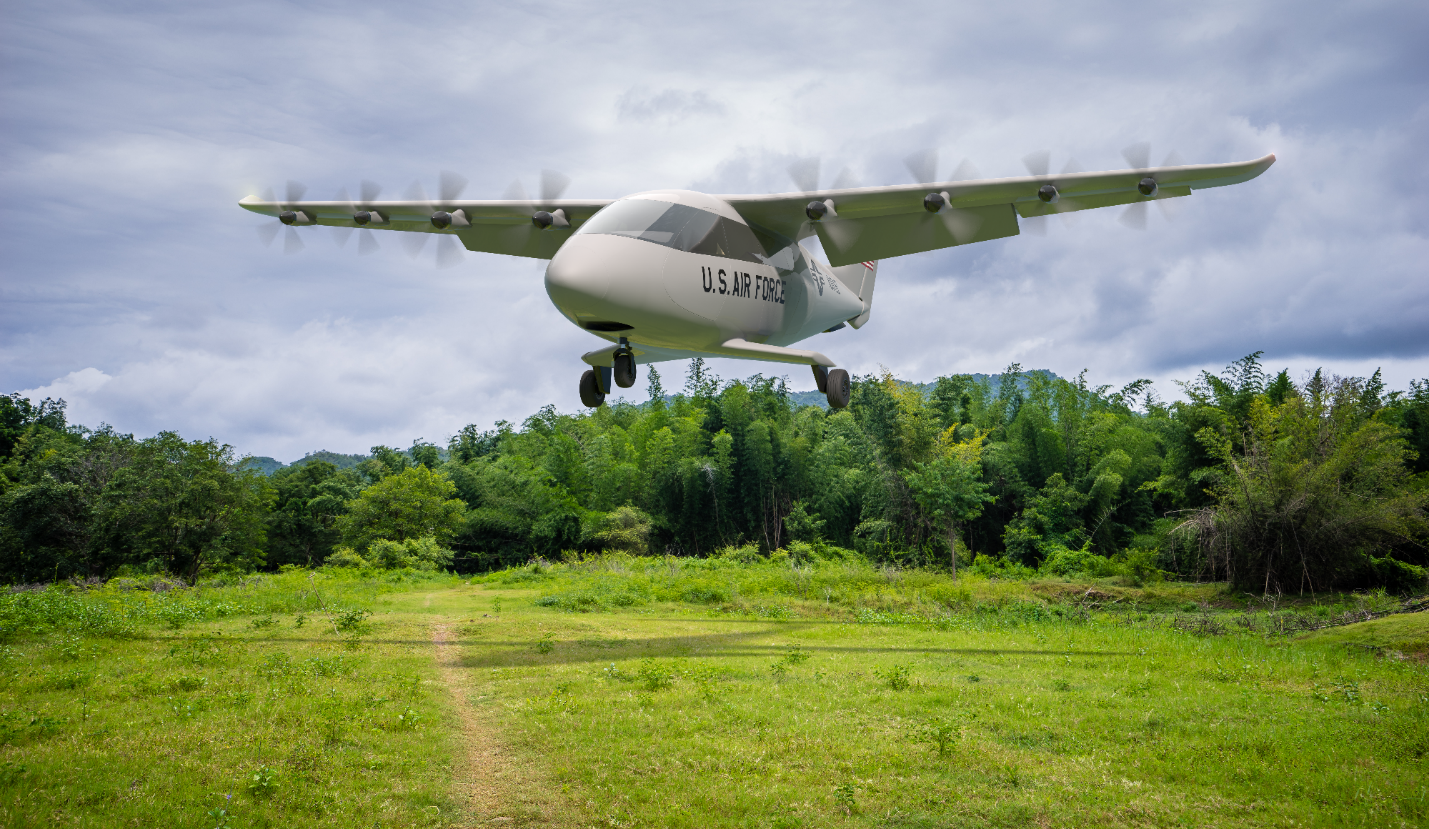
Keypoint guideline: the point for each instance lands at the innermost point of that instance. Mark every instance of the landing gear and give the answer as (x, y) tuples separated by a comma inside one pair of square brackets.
[(591, 393), (837, 387), (821, 379), (625, 370), (624, 365)]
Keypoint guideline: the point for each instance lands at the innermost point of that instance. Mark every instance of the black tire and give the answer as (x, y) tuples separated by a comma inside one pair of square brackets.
[(591, 395), (839, 388), (625, 370), (821, 379)]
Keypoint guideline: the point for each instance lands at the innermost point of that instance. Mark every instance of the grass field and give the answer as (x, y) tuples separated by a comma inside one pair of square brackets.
[(705, 693)]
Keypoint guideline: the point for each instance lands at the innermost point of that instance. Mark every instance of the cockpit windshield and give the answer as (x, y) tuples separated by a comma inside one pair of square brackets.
[(677, 226)]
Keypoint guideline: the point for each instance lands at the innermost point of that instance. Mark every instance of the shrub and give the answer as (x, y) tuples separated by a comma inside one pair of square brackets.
[(747, 554), (1062, 561), (345, 557), (422, 553)]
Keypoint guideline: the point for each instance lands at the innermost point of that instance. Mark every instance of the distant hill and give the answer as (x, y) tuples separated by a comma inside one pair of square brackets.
[(337, 459), (264, 465)]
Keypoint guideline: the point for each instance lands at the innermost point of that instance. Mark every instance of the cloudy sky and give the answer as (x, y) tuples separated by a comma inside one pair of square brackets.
[(132, 285)]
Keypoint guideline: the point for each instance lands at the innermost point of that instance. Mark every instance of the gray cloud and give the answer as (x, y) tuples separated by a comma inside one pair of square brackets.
[(133, 286), (668, 105)]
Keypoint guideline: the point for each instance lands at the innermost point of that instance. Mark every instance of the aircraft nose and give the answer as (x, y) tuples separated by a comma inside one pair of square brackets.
[(576, 279)]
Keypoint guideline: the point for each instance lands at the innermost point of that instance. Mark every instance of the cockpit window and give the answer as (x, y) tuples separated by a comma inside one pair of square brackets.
[(677, 226)]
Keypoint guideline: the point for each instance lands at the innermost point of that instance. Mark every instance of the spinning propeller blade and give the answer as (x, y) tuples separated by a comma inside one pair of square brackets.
[(1138, 156)]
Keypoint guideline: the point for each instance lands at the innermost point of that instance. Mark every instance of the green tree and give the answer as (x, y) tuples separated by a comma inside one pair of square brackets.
[(187, 505), (410, 504), (948, 488), (302, 527), (1316, 493)]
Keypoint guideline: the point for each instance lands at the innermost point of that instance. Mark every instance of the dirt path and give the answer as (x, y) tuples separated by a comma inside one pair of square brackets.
[(482, 776)]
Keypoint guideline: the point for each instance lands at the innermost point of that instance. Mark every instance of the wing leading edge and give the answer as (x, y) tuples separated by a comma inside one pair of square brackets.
[(486, 226), (866, 223)]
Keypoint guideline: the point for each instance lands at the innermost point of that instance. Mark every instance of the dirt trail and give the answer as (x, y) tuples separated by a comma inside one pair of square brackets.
[(482, 775)]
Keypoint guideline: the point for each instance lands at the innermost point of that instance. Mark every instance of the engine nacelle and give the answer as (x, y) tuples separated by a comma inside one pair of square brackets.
[(1147, 186), (555, 218), (1048, 194)]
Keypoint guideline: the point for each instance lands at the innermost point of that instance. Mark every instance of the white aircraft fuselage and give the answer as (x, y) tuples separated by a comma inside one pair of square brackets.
[(680, 273)]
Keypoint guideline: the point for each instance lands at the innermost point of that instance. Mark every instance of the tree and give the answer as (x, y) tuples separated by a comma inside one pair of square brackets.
[(1319, 497), (410, 504), (309, 498), (186, 505), (949, 488)]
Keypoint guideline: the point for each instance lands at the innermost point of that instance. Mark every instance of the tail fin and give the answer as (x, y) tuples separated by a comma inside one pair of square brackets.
[(859, 278)]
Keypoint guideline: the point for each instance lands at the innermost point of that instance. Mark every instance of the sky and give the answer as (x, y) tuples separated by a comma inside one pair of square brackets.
[(134, 287)]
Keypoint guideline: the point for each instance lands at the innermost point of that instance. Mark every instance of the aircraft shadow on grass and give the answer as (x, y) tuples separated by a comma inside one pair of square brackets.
[(501, 654)]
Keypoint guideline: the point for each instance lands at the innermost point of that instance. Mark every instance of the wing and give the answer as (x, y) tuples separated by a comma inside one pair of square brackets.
[(488, 226), (868, 223)]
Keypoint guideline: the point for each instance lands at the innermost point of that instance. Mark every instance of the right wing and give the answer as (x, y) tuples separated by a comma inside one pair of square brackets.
[(486, 226), (868, 223)]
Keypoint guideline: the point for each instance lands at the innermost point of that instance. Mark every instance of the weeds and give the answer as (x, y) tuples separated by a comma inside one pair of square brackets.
[(655, 676), (546, 644), (844, 797), (353, 623), (262, 782), (941, 732), (897, 678)]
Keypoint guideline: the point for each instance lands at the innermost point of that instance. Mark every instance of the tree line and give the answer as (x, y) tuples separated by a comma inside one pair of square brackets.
[(1272, 484)]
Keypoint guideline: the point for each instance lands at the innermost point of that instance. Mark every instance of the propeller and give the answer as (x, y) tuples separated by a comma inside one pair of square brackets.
[(553, 184), (449, 188), (1039, 165), (1138, 156), (923, 166), (804, 172), (362, 214), (292, 243)]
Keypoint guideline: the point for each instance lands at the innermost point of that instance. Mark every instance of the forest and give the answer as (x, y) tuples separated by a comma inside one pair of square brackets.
[(1273, 484)]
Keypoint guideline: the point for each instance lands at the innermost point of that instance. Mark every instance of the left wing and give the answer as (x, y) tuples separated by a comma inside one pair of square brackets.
[(510, 227), (868, 223)]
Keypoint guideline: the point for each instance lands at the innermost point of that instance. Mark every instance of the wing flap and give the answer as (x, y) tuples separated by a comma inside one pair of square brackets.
[(1072, 203)]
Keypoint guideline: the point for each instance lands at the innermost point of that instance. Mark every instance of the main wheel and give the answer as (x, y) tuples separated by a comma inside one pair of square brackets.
[(591, 395), (625, 370), (839, 388), (821, 379)]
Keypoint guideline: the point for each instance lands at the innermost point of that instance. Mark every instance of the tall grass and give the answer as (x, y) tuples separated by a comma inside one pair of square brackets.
[(124, 607)]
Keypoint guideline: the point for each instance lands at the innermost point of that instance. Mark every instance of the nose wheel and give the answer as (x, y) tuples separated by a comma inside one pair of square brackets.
[(624, 365)]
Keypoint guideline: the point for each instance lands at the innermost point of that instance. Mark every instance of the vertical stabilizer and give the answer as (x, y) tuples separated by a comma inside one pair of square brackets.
[(859, 278)]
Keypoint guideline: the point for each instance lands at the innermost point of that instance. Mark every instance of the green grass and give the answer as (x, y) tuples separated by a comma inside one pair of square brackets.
[(678, 693), (1407, 634)]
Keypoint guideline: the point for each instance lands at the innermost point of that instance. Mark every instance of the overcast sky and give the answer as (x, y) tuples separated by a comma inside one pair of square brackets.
[(135, 288)]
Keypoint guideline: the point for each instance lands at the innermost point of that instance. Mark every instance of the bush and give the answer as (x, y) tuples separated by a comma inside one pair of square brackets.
[(1061, 561), (1138, 565), (345, 557), (747, 554), (417, 553), (1397, 576)]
